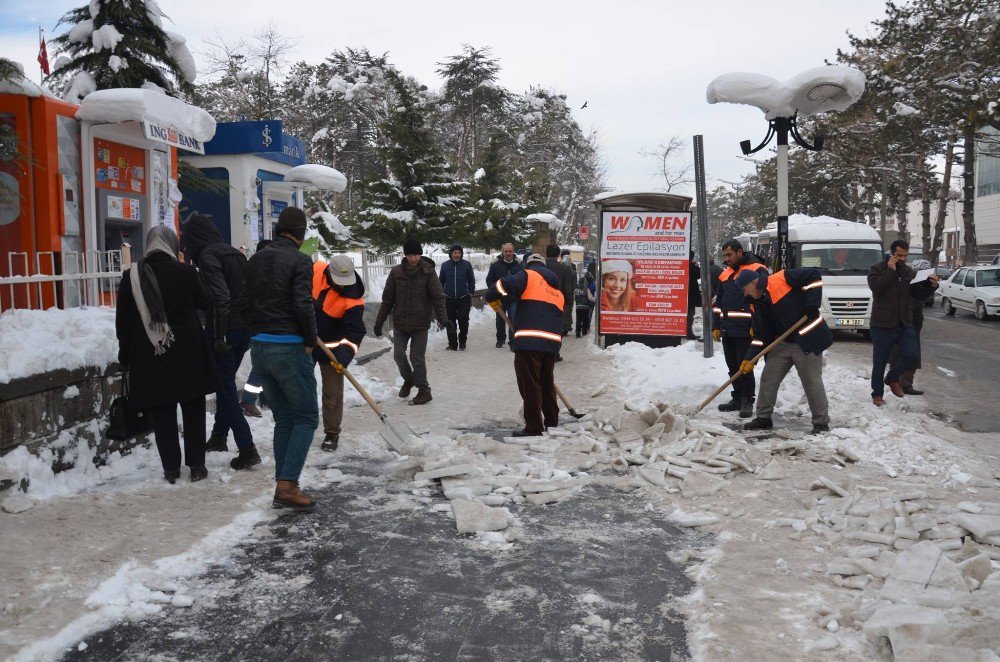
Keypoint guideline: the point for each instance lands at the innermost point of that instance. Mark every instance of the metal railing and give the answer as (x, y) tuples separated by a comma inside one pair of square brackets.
[(68, 279)]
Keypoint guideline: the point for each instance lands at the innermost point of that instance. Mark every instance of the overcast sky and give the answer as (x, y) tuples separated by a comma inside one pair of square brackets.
[(641, 66)]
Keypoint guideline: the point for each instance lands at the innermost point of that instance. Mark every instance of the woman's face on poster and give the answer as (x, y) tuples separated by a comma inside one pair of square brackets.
[(615, 284)]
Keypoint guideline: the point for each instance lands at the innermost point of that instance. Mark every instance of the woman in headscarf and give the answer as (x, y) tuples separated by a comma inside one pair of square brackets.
[(164, 350), (617, 293)]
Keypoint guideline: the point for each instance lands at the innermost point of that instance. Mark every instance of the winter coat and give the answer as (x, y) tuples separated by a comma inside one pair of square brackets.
[(694, 288), (715, 272), (789, 293), (538, 318), (730, 306), (458, 279), (340, 315), (413, 296), (186, 371), (222, 269), (585, 293), (891, 306), (501, 268), (277, 292), (567, 284)]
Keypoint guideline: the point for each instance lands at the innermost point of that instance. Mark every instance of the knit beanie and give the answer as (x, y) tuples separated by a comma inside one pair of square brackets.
[(292, 220), (412, 247), (748, 276)]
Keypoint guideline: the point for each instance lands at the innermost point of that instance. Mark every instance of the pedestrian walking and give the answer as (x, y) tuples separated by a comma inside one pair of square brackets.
[(694, 295), (222, 269), (506, 264), (414, 296), (777, 303), (585, 295), (538, 325), (567, 285), (253, 392), (892, 320), (339, 296), (164, 350), (458, 280), (277, 300), (919, 294), (732, 323)]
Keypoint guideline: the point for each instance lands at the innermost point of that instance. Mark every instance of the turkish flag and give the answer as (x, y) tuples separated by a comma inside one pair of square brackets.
[(43, 57)]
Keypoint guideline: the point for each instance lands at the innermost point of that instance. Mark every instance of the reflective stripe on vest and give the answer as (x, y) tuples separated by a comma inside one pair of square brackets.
[(334, 305), (342, 341), (535, 333), (538, 289)]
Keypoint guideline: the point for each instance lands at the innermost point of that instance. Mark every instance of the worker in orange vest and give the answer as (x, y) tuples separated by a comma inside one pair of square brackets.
[(538, 332), (339, 298)]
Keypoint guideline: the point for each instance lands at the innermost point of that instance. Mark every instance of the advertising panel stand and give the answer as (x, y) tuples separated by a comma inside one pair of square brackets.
[(643, 267)]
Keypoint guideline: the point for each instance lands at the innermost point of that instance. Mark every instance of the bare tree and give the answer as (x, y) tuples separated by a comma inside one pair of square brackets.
[(666, 154)]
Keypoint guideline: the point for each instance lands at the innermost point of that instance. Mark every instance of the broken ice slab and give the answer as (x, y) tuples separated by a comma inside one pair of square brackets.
[(542, 498), (863, 552), (858, 582), (832, 486), (599, 390), (889, 618), (696, 483), (771, 471), (460, 488), (472, 516), (692, 519), (444, 472), (868, 536), (981, 526)]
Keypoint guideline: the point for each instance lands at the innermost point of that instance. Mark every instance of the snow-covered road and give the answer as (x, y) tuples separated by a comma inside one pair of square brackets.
[(806, 565)]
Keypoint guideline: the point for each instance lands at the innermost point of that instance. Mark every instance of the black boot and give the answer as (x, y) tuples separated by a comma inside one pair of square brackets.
[(820, 428), (732, 405), (404, 390), (331, 442), (746, 407), (216, 444), (759, 424), (172, 476), (246, 459), (198, 473)]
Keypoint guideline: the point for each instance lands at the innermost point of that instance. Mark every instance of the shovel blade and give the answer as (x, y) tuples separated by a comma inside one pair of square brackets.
[(398, 436)]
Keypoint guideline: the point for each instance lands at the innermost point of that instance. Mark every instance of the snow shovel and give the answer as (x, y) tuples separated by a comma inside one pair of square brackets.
[(397, 435), (572, 412), (754, 360)]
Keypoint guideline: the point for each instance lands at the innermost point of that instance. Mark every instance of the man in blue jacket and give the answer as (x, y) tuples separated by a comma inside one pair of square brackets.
[(777, 302), (506, 265), (459, 282)]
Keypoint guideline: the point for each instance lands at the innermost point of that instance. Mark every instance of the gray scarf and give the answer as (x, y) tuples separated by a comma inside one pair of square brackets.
[(146, 289)]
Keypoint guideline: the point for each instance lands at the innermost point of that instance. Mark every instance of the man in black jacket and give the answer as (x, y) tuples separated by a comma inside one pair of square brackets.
[(567, 284), (506, 264), (222, 270), (892, 320), (277, 300), (694, 295)]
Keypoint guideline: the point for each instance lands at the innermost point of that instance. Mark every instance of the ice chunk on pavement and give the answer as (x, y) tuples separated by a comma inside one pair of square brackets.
[(981, 526), (472, 516), (17, 503), (891, 617), (698, 483), (772, 471), (692, 519)]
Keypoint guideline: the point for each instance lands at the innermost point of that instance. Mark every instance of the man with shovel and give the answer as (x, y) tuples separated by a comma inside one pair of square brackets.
[(777, 303), (339, 299), (538, 331)]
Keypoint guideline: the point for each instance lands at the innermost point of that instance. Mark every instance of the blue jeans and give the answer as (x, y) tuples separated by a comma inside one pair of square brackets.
[(882, 343), (228, 413), (286, 373)]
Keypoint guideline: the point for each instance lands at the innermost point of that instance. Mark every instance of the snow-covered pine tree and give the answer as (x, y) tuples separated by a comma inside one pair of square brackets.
[(120, 43), (419, 198), (499, 200)]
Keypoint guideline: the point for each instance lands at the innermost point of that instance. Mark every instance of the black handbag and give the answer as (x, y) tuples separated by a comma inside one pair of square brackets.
[(125, 421)]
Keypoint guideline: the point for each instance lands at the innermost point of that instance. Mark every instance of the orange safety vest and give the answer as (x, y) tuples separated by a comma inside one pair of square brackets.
[(334, 304)]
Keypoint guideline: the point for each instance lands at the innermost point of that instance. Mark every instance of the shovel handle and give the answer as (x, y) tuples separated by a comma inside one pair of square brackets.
[(350, 378), (754, 360)]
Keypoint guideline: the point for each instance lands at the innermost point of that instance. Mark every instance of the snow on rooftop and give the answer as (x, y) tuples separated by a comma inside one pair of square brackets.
[(320, 176), (22, 85), (550, 219), (137, 105), (810, 92)]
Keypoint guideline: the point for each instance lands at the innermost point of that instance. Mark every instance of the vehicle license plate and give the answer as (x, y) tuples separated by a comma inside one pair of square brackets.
[(850, 321)]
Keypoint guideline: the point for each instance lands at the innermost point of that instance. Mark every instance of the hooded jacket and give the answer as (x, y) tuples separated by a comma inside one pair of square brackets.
[(730, 306), (457, 276), (222, 269), (538, 320), (340, 311), (413, 296)]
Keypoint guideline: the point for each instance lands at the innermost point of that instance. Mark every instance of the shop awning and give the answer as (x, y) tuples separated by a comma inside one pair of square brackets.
[(318, 176), (163, 118)]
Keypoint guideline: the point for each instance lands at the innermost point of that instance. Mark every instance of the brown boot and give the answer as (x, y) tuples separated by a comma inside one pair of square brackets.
[(423, 397), (404, 391), (288, 495), (896, 389)]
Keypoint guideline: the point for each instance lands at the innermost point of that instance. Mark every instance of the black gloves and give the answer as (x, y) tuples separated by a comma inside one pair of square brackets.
[(377, 330)]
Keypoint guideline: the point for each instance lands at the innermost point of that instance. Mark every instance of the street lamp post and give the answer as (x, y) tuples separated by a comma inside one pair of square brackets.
[(811, 92)]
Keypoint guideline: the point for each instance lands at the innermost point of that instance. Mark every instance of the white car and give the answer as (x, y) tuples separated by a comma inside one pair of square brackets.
[(976, 289)]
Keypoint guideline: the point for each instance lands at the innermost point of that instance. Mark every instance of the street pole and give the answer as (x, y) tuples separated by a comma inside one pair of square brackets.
[(781, 126), (706, 280)]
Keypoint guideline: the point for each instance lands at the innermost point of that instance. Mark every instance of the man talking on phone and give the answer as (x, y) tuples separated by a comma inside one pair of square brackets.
[(892, 320)]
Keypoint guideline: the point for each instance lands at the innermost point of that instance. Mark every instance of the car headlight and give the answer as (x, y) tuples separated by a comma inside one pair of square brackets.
[(995, 299)]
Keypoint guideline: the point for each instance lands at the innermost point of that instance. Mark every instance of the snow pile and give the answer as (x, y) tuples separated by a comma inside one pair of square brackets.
[(82, 85), (548, 219), (333, 224), (107, 36), (137, 105), (80, 33), (21, 85), (37, 341), (177, 49), (810, 92), (320, 176)]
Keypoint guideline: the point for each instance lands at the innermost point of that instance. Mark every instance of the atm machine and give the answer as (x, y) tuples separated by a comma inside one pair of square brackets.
[(120, 178)]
